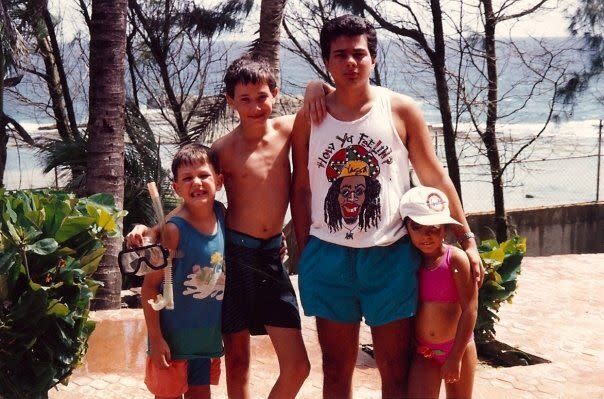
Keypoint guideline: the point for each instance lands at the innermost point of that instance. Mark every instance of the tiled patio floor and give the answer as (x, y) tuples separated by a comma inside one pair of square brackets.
[(557, 314)]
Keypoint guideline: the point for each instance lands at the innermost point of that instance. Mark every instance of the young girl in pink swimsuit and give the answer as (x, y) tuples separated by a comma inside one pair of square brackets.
[(448, 299)]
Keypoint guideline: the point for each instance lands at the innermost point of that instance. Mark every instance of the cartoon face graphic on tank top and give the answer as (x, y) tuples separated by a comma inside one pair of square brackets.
[(353, 199)]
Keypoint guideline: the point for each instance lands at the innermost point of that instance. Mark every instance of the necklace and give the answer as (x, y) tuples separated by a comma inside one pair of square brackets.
[(349, 235)]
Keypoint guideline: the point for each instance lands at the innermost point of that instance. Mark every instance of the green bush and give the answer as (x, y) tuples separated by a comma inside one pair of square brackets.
[(50, 245), (502, 267)]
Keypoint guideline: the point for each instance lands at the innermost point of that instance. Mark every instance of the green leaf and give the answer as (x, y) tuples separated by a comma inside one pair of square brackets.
[(494, 284), (36, 217), (73, 226), (58, 309), (10, 214), (488, 245), (7, 260), (103, 200), (31, 306), (497, 254), (106, 221), (90, 261), (92, 210), (12, 231), (43, 247), (56, 211), (31, 233)]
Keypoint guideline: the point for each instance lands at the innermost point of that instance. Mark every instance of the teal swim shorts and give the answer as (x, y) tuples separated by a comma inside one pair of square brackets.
[(344, 284)]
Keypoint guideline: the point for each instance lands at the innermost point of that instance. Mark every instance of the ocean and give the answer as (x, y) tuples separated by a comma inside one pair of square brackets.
[(560, 167)]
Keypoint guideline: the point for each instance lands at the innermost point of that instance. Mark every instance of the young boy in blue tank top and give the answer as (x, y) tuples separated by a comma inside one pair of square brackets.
[(259, 297), (350, 172), (195, 236)]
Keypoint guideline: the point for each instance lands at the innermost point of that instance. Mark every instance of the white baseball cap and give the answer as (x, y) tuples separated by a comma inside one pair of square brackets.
[(427, 206)]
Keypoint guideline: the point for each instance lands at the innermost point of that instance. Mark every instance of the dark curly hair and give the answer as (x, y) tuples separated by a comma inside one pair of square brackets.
[(347, 25), (370, 213), (246, 70)]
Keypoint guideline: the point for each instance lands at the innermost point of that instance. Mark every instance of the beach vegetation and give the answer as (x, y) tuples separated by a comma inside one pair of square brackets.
[(50, 246), (171, 49), (502, 263), (586, 22), (12, 51)]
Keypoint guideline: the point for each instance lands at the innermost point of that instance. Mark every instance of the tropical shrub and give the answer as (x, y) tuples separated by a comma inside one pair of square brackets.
[(502, 267), (50, 245)]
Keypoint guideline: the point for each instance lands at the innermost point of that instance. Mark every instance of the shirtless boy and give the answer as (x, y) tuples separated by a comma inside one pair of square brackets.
[(350, 172), (259, 297)]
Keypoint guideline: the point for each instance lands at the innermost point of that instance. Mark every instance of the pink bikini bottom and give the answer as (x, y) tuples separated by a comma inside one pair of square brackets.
[(438, 352)]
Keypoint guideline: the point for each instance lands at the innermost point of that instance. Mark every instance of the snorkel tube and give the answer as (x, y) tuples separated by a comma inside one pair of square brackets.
[(167, 299)]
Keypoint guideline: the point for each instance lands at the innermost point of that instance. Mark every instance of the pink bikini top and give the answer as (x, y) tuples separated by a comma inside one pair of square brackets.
[(438, 285)]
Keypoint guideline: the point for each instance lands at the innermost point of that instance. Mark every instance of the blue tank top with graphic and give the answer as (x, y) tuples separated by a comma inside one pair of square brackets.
[(193, 328)]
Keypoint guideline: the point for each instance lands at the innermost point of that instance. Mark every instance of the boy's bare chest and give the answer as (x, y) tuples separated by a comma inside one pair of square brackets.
[(257, 166)]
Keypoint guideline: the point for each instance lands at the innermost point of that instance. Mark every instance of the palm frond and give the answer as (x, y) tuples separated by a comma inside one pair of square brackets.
[(12, 44)]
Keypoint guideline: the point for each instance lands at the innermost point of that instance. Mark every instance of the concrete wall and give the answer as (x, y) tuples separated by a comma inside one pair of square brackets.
[(567, 229)]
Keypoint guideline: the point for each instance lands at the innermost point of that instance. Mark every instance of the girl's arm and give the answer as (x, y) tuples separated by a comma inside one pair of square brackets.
[(467, 288), (160, 351)]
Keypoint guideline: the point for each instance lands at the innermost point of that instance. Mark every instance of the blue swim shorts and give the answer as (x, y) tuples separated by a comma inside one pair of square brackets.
[(344, 284)]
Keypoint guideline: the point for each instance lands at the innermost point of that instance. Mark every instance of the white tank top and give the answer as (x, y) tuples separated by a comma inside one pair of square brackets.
[(358, 171)]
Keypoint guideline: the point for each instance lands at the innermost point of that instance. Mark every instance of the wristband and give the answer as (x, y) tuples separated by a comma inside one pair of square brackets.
[(465, 236)]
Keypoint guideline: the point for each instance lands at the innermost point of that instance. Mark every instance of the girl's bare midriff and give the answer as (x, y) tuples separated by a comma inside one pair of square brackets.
[(436, 322)]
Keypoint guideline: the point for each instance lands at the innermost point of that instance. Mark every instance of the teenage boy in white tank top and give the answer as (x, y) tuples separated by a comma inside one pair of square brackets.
[(350, 172)]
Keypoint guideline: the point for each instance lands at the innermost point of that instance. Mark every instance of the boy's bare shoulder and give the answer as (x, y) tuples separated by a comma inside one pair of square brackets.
[(222, 142), (403, 104), (284, 124), (171, 235)]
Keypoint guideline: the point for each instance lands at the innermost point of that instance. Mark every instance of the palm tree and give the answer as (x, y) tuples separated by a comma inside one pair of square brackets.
[(105, 167), (11, 49), (268, 42)]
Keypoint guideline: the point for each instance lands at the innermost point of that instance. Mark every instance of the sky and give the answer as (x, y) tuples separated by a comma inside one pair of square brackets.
[(549, 23)]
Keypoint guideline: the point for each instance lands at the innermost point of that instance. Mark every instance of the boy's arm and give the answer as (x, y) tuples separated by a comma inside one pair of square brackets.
[(160, 351), (467, 289), (135, 237), (431, 173), (314, 107), (300, 188)]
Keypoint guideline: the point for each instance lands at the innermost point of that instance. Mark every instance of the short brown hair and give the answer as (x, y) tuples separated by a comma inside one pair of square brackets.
[(246, 70), (347, 25), (193, 153)]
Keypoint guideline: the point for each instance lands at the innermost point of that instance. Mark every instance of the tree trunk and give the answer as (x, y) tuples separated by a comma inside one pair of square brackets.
[(449, 136), (442, 90), (267, 45), (105, 168), (36, 15), (3, 135), (58, 61), (489, 136), (131, 61)]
